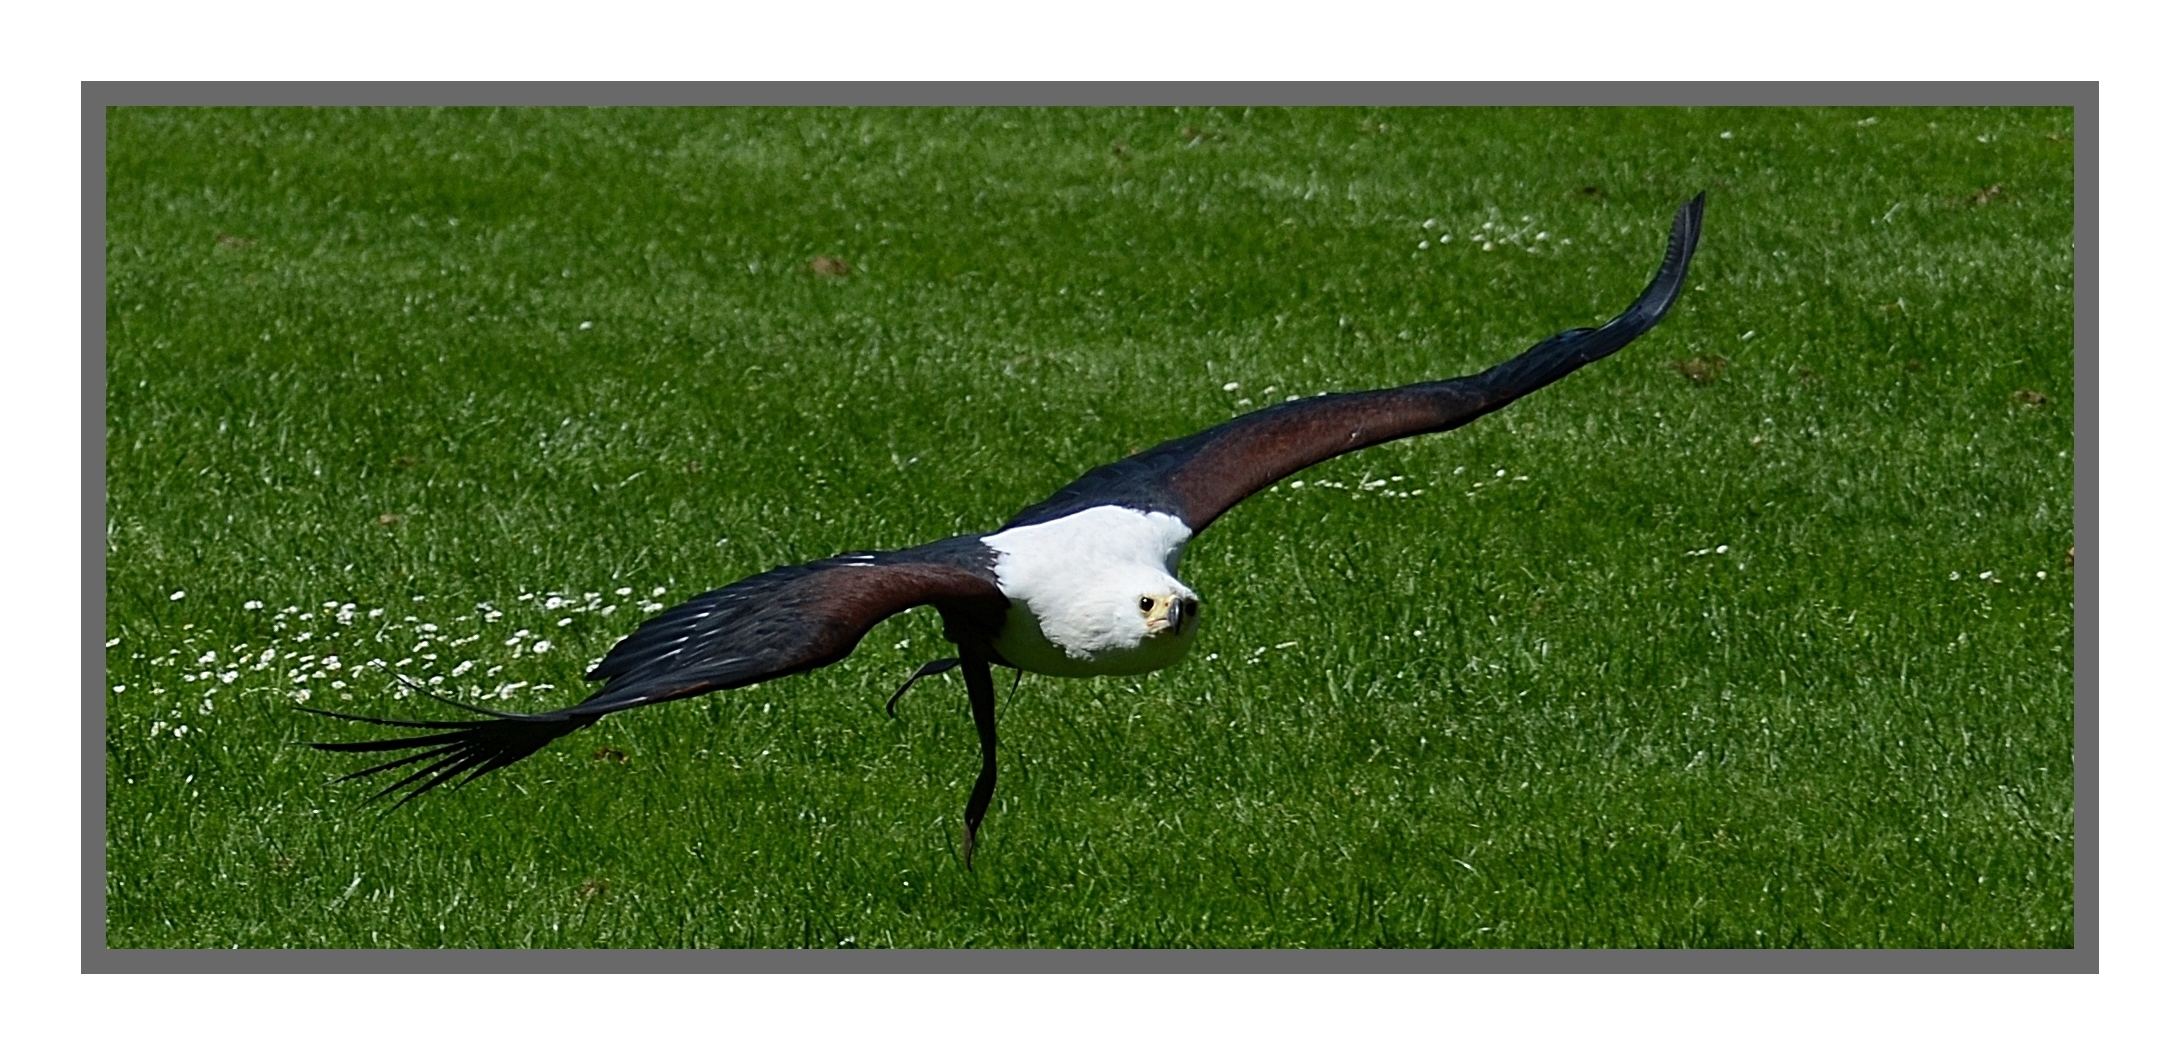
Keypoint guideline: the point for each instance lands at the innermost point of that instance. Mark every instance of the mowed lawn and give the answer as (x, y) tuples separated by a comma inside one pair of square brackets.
[(1759, 633)]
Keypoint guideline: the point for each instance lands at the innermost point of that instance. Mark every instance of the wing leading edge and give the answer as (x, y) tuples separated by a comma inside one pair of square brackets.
[(1199, 477)]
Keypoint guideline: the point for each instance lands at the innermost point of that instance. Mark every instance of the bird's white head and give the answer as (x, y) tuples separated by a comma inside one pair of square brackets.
[(1094, 593), (1126, 619), (1135, 619), (1162, 607)]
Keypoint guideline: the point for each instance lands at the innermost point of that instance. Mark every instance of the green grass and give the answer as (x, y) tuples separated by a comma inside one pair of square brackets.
[(427, 361)]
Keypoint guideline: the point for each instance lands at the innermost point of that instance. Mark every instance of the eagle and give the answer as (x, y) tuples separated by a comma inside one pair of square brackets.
[(1082, 584)]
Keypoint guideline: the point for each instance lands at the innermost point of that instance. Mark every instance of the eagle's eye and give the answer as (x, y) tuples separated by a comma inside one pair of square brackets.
[(1144, 604)]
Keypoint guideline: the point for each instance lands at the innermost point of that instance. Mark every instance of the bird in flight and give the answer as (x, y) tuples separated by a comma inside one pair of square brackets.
[(1080, 584)]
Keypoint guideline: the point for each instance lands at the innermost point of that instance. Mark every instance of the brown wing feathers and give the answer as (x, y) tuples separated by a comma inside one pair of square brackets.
[(1199, 477), (781, 622), (1254, 452), (1241, 461)]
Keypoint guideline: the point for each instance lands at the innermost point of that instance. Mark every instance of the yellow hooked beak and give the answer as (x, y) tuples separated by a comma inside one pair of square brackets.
[(1169, 614)]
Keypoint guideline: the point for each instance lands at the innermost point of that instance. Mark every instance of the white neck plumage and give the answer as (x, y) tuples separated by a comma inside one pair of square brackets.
[(1094, 593)]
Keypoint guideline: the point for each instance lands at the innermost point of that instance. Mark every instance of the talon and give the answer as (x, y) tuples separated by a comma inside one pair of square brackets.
[(936, 666)]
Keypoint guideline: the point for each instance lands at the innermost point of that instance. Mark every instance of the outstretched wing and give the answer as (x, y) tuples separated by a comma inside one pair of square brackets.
[(1199, 477), (781, 622)]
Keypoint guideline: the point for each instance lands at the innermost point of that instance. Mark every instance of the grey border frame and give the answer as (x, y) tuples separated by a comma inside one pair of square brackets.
[(2082, 96)]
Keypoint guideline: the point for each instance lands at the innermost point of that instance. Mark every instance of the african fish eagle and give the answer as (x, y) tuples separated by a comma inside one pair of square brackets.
[(1080, 584)]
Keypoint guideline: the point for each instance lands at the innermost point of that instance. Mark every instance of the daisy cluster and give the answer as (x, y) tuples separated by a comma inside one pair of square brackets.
[(1365, 486), (1991, 577), (1494, 233), (316, 652), (1486, 481)]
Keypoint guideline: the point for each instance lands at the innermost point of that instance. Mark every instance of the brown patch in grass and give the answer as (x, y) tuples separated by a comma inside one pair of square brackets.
[(2031, 397), (1914, 366), (1984, 196), (591, 888), (1703, 369), (236, 241), (389, 519), (610, 754), (1807, 376), (830, 265)]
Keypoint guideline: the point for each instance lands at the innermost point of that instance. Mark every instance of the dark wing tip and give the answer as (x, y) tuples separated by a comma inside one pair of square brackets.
[(1563, 353), (1665, 286), (473, 747)]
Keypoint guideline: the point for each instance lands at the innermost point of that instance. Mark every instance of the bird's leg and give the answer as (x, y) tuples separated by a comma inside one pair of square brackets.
[(936, 666), (983, 706)]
